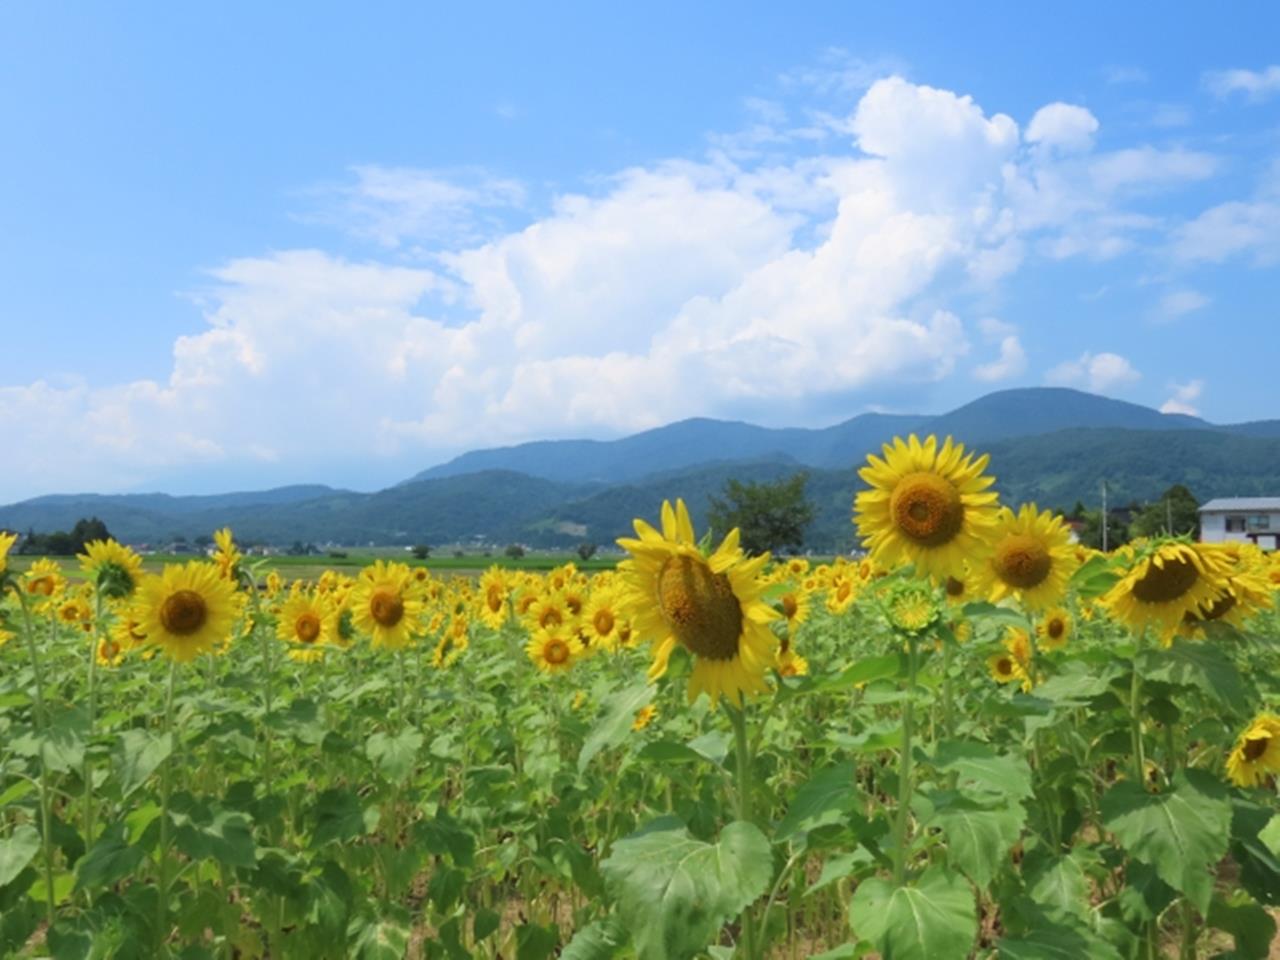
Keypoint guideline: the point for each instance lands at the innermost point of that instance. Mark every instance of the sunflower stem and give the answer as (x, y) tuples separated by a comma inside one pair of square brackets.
[(87, 776), (42, 724), (742, 745), (1135, 720), (166, 790), (904, 770)]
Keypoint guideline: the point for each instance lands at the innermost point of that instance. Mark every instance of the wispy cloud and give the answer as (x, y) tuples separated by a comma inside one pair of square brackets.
[(1254, 84)]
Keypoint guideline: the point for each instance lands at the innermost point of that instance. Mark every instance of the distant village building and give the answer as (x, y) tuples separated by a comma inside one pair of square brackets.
[(1243, 519)]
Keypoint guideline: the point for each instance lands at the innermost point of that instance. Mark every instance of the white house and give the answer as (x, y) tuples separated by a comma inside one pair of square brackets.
[(1248, 519)]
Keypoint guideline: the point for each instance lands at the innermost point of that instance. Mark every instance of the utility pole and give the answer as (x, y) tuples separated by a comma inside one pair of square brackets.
[(1104, 516)]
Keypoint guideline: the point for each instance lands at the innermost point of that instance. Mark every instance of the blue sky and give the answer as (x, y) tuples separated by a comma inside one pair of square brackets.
[(257, 244)]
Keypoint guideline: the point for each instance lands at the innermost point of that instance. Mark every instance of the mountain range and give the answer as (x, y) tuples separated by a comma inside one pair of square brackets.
[(1051, 445)]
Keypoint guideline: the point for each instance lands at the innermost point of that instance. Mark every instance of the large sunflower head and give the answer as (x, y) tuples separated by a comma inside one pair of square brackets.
[(1166, 580), (1256, 755), (1031, 558), (186, 610), (385, 605), (926, 506), (710, 605), (113, 567)]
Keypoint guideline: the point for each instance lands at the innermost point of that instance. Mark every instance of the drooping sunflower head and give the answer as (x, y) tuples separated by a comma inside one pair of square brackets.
[(1031, 558), (710, 605), (794, 607), (1013, 662), (791, 664), (1166, 580), (1256, 755), (113, 567), (1246, 588), (187, 609), (926, 506), (1054, 629), (958, 589)]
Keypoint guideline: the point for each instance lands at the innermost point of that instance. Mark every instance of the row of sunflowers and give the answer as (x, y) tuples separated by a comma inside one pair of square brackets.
[(978, 739)]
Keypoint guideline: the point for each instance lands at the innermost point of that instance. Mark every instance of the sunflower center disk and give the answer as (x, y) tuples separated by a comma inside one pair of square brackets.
[(556, 651), (1162, 584), (927, 509), (789, 606), (955, 588), (603, 622), (494, 599), (700, 607), (386, 608), (1022, 561), (307, 628), (1255, 747), (1056, 628), (183, 613)]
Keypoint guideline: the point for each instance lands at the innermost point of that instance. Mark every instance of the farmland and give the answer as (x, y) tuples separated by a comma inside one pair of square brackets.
[(979, 740)]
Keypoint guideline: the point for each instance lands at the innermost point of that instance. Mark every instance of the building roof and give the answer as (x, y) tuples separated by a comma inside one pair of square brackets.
[(1241, 504)]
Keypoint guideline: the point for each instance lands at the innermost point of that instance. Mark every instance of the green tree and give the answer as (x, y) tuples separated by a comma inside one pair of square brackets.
[(421, 551), (1177, 512), (586, 551), (772, 516), (1091, 534), (514, 551)]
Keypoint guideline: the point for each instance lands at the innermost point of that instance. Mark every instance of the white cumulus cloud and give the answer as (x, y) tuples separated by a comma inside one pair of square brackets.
[(1063, 125), (1012, 362), (1097, 372), (1183, 398)]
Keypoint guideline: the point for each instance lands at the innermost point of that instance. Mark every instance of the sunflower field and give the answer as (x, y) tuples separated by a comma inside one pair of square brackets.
[(978, 740)]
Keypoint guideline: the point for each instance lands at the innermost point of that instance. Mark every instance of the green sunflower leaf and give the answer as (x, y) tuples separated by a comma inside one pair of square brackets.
[(1182, 833), (674, 893), (933, 918)]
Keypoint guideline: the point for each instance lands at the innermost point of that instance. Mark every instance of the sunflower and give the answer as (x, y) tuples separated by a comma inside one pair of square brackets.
[(711, 606), (125, 630), (553, 651), (7, 540), (1246, 588), (1054, 629), (1166, 580), (1013, 663), (227, 556), (385, 605), (926, 506), (796, 567), (840, 595), (275, 583), (1031, 558), (75, 611), (791, 664), (794, 605), (494, 592), (600, 619), (1257, 752), (188, 609), (112, 566), (109, 653), (308, 623), (549, 612), (43, 579), (957, 589), (644, 717)]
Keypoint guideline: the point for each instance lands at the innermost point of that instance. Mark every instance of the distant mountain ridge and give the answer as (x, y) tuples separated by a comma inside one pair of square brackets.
[(996, 416), (1050, 445)]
